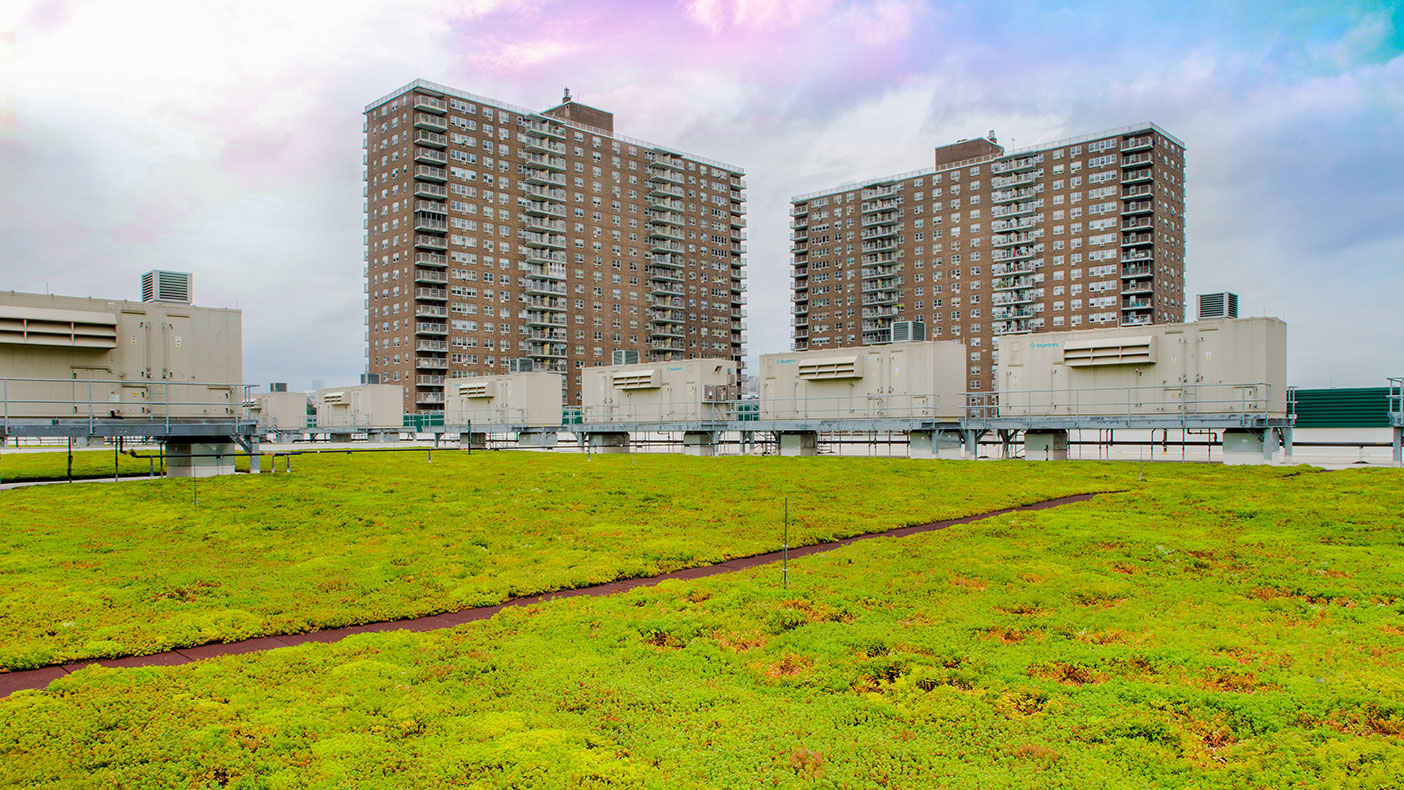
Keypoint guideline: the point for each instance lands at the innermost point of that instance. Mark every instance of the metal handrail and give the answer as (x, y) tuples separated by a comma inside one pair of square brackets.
[(1396, 400), (21, 399), (1181, 399)]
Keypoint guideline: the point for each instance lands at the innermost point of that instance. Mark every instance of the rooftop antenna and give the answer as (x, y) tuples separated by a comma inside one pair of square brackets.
[(992, 136), (566, 98)]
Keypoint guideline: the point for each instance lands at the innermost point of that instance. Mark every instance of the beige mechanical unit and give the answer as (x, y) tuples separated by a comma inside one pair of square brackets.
[(279, 411), (896, 380), (673, 391), (1223, 366), (378, 407), (64, 357), (530, 400)]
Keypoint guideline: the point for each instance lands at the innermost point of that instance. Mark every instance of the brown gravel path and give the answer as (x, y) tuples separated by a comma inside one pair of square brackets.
[(11, 682)]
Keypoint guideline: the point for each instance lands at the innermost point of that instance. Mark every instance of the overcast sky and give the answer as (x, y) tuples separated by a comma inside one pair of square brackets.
[(225, 138)]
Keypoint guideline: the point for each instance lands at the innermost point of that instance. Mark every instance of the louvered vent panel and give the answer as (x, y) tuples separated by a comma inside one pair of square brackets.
[(1112, 351), (831, 368)]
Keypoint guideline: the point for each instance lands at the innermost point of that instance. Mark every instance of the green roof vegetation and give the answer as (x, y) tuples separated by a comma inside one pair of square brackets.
[(1210, 627)]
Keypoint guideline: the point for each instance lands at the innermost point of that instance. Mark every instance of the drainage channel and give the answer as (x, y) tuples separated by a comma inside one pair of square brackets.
[(11, 682)]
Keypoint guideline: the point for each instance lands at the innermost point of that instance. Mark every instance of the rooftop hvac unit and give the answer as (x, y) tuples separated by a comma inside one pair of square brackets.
[(478, 389), (523, 365), (625, 356), (908, 331), (1218, 305), (162, 286), (278, 386)]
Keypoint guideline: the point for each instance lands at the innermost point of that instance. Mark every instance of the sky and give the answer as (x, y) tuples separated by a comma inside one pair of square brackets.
[(224, 139)]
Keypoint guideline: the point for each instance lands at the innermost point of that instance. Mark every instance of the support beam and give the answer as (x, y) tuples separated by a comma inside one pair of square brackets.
[(802, 443), (700, 443), (200, 459), (540, 440), (1249, 445), (1045, 445), (607, 442)]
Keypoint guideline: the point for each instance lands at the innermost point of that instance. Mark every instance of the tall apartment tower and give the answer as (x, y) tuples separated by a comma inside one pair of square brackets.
[(1079, 233), (497, 234)]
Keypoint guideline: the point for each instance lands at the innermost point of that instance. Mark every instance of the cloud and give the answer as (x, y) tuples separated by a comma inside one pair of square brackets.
[(139, 140)]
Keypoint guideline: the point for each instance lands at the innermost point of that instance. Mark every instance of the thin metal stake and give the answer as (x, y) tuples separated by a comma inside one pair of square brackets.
[(785, 545), (195, 485)]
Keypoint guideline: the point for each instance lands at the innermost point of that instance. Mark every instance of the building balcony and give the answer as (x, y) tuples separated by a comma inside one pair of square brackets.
[(1133, 208), (1010, 284), (545, 288), (669, 160), (1133, 303), (1015, 327), (546, 162), (430, 243), (1136, 287), (432, 260), (1014, 239), (430, 155), (1136, 256), (1137, 223), (1012, 226), (1021, 164), (430, 104), (539, 127), (665, 274), (1137, 270), (539, 318), (1137, 159), (430, 122), (880, 192), (430, 328), (877, 206), (668, 259), (544, 225), (1014, 181), (1022, 209), (431, 206), (663, 289), (1013, 195), (665, 233), (1137, 240), (430, 311), (431, 363), (430, 276), (547, 350), (552, 303), (551, 335), (542, 145), (1008, 269), (1135, 320), (664, 331), (550, 241), (663, 175), (431, 294), (799, 210), (550, 271), (667, 345), (545, 193), (666, 204), (428, 398), (543, 177), (429, 223), (1012, 298), (1016, 253), (430, 345), (878, 220), (870, 258), (1142, 176), (431, 139), (540, 208), (428, 173), (666, 246), (662, 190), (1011, 313), (668, 218), (543, 256), (1141, 143), (425, 189)]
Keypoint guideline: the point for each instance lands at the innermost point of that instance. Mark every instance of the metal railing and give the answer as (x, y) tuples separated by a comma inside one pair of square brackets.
[(1396, 401), (25, 400), (1183, 400)]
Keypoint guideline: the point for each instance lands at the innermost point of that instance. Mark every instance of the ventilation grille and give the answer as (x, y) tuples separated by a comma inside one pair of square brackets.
[(831, 368), (30, 326), (335, 399), (1218, 305), (160, 286), (478, 389), (1112, 351), (908, 331), (638, 379)]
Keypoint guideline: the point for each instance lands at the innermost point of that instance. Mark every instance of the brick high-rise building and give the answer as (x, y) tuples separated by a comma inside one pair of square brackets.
[(495, 233), (1079, 233)]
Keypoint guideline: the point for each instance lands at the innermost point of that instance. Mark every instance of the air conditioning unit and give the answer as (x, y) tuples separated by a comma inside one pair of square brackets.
[(908, 331), (523, 365), (1218, 305), (161, 286), (625, 356)]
